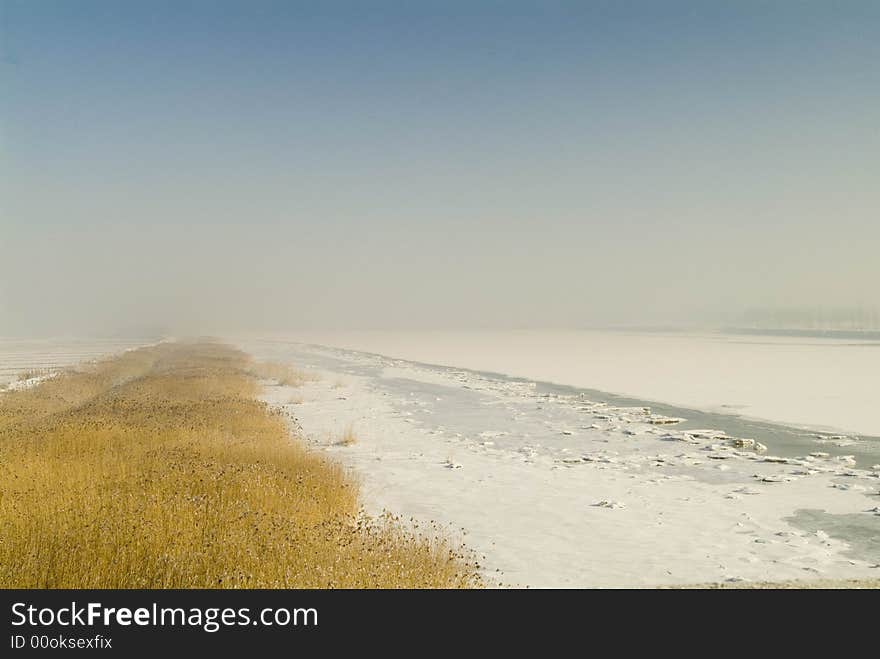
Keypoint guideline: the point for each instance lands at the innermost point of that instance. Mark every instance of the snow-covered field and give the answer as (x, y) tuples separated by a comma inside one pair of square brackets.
[(44, 357), (559, 488)]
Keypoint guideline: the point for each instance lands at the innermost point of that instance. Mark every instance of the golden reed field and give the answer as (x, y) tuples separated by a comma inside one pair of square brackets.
[(160, 469)]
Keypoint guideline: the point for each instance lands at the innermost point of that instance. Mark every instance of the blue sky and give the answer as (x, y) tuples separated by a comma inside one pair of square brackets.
[(434, 163)]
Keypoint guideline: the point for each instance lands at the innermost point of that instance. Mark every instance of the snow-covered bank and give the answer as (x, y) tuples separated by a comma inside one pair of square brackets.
[(45, 357), (558, 490), (819, 383), (29, 382)]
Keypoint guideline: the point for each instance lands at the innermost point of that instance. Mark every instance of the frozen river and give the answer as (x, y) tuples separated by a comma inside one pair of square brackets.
[(558, 485), (826, 384)]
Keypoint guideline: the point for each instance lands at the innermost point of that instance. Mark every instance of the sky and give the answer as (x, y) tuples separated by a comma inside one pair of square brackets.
[(215, 166)]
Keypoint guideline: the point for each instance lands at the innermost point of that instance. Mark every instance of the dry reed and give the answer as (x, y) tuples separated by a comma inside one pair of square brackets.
[(347, 438), (282, 374), (160, 469)]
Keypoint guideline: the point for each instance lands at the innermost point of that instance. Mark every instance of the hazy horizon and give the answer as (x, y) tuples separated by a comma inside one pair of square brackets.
[(232, 166)]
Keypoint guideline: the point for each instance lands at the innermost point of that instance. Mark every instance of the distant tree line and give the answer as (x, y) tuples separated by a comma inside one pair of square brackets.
[(818, 318)]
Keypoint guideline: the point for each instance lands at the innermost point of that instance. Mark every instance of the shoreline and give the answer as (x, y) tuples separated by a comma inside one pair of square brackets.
[(570, 505)]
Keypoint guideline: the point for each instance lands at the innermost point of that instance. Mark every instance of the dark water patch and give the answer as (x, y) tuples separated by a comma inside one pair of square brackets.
[(781, 440), (860, 530)]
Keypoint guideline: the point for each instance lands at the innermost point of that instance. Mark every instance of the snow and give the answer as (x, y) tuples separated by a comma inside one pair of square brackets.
[(600, 507)]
